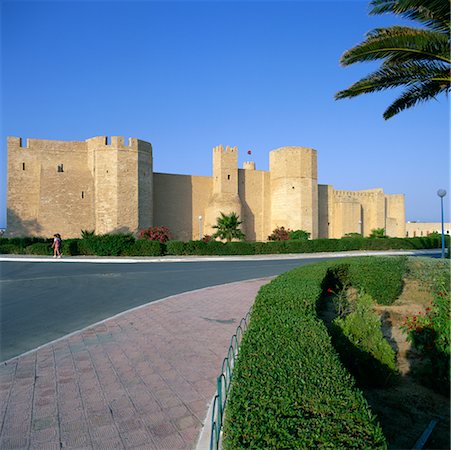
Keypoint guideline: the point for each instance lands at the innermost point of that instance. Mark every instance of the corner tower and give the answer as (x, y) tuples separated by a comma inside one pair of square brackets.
[(294, 189), (224, 197), (123, 183)]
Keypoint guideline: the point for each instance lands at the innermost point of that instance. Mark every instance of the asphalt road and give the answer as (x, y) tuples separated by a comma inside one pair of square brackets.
[(40, 302)]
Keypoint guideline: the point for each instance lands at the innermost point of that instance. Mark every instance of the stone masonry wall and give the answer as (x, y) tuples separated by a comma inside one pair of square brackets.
[(109, 186), (294, 189)]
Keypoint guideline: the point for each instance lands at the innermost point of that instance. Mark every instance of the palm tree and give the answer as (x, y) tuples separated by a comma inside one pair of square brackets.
[(227, 226), (416, 58)]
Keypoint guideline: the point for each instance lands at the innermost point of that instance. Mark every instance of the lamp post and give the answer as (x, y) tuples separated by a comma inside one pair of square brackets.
[(200, 228), (441, 193)]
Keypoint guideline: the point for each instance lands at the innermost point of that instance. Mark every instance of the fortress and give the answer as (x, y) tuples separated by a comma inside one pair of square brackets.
[(108, 185)]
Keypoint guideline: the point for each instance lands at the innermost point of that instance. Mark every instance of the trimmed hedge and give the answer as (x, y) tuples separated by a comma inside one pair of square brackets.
[(10, 249), (367, 273), (290, 389), (39, 248), (299, 246), (106, 244), (144, 247), (117, 244)]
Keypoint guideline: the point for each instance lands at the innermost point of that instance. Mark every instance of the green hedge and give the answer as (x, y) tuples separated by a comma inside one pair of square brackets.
[(290, 389), (117, 244), (366, 274), (10, 249), (299, 246), (143, 247), (106, 245), (39, 248), (70, 247)]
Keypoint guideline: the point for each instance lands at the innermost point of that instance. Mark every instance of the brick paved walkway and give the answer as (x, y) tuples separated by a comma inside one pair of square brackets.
[(141, 380)]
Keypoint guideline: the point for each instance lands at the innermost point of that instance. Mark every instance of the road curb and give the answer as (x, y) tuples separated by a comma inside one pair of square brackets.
[(136, 260)]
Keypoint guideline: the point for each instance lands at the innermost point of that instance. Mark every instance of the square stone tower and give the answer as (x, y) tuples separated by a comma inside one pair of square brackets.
[(225, 196), (66, 187)]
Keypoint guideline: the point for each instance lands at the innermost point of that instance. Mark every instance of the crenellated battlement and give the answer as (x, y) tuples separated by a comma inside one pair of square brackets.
[(367, 193), (118, 142), (17, 142), (220, 149), (249, 165)]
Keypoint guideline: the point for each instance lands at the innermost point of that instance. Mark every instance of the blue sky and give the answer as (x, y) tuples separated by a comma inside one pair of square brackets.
[(187, 76)]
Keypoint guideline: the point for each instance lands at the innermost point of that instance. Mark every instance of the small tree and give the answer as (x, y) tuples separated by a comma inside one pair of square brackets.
[(228, 227), (378, 233), (279, 234)]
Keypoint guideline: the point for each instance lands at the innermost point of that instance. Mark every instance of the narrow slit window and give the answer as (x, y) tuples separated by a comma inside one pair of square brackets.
[(228, 177), (82, 194), (60, 168), (23, 166)]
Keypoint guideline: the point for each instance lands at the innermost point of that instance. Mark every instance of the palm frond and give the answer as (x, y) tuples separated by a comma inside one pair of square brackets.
[(435, 14), (415, 94), (397, 44), (418, 58), (389, 77)]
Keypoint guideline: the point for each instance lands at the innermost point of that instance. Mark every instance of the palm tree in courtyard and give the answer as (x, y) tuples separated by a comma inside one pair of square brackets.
[(415, 58), (228, 227)]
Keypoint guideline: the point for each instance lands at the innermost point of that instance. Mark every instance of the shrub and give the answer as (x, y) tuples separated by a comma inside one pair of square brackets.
[(215, 248), (298, 235), (196, 248), (378, 233), (161, 234), (362, 347), (23, 242), (429, 333), (13, 249), (70, 247), (86, 234), (106, 244), (349, 243), (40, 248), (175, 248), (143, 247), (279, 234), (238, 248)]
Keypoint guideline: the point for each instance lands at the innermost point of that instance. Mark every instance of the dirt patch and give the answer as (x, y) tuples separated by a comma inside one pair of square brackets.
[(406, 407)]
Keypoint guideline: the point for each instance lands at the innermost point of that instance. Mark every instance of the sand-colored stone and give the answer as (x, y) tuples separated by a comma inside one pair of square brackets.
[(109, 186), (419, 229)]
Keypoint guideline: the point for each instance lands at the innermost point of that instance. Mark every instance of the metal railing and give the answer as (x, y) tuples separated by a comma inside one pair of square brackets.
[(223, 383)]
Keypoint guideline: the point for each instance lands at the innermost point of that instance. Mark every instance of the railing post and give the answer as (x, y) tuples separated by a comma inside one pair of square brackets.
[(223, 383)]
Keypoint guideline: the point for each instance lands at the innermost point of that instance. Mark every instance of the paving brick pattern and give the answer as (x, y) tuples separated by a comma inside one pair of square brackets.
[(142, 380)]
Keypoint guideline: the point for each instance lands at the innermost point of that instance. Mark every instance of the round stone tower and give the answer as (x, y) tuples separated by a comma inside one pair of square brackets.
[(294, 189)]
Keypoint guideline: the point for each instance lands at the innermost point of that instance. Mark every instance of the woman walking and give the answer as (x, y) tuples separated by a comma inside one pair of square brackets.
[(56, 245)]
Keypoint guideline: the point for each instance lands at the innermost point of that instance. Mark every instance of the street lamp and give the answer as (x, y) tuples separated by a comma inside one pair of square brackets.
[(441, 193), (200, 228)]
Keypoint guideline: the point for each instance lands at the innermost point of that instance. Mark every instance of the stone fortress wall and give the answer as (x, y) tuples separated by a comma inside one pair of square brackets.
[(108, 185), (420, 229)]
